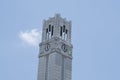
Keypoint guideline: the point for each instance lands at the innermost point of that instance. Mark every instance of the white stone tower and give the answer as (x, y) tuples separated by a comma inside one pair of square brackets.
[(55, 56)]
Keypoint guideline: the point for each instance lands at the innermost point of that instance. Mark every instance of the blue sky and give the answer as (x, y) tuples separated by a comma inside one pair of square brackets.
[(95, 37)]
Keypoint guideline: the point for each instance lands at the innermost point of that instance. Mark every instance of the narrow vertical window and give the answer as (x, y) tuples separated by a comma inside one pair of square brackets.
[(46, 34), (49, 28), (63, 37), (46, 30), (66, 34), (63, 28), (61, 31), (52, 30), (66, 31), (49, 31)]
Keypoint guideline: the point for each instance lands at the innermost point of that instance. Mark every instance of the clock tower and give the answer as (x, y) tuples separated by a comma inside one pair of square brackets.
[(55, 55)]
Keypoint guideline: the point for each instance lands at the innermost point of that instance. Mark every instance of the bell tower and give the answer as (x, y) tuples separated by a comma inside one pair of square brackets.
[(55, 55)]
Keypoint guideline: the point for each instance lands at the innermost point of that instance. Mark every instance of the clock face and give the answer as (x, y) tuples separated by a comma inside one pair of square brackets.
[(64, 48), (47, 47)]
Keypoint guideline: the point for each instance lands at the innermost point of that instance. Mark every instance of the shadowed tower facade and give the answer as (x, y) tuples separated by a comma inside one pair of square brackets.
[(55, 55)]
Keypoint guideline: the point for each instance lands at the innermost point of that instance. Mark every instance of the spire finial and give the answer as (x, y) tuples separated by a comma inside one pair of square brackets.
[(57, 15)]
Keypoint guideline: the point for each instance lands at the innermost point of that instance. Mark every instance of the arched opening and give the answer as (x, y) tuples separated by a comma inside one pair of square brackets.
[(63, 32), (49, 32)]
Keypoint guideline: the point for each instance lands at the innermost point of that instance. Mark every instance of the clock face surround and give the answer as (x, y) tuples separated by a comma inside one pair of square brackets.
[(64, 47), (47, 47)]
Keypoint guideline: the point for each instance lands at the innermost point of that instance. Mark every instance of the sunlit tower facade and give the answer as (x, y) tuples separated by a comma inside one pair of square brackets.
[(55, 55)]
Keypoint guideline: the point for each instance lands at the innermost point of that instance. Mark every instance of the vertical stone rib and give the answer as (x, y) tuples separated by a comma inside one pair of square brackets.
[(46, 70), (62, 73)]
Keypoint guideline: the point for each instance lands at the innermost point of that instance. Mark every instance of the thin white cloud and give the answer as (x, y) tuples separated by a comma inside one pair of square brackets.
[(31, 37)]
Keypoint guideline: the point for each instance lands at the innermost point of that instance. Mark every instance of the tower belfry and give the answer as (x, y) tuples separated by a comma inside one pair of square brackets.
[(55, 56)]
